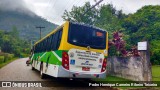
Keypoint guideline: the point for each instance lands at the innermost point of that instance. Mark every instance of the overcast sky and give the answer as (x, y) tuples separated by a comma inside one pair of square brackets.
[(52, 10)]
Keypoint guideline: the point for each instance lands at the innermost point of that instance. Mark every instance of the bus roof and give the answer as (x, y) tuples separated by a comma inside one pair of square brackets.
[(87, 25)]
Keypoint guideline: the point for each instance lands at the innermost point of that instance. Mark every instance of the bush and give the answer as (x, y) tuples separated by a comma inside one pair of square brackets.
[(112, 51), (10, 56), (1, 59), (155, 57), (156, 62), (24, 55), (7, 56)]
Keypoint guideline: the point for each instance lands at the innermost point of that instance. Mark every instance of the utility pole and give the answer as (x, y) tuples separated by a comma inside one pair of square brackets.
[(40, 28)]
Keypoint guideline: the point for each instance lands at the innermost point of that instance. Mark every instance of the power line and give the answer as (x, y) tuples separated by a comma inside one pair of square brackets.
[(52, 4), (62, 10), (49, 1), (93, 6), (68, 6), (97, 3)]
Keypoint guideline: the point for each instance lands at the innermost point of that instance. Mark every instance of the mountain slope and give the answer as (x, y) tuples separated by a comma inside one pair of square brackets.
[(25, 24)]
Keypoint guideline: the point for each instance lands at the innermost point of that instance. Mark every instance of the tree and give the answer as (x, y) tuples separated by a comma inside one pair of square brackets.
[(104, 16), (81, 14), (11, 43), (1, 34), (14, 32), (109, 19), (144, 25)]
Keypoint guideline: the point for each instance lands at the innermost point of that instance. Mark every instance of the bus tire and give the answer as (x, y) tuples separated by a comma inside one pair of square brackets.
[(32, 67), (42, 75)]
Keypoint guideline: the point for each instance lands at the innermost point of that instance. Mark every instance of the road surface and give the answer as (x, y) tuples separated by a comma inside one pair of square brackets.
[(19, 71)]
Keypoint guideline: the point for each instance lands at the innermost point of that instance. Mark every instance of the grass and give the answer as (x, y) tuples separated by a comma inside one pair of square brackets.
[(155, 77), (156, 73), (7, 62), (112, 78)]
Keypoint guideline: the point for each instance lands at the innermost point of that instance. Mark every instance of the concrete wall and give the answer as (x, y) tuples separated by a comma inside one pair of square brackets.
[(132, 68)]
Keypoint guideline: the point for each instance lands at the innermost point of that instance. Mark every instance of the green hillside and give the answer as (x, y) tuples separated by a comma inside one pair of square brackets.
[(18, 29), (25, 24)]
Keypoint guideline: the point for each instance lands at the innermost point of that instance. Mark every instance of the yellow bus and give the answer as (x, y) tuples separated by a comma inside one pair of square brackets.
[(72, 50)]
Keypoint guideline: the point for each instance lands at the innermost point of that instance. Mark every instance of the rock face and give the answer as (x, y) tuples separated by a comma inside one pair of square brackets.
[(133, 68)]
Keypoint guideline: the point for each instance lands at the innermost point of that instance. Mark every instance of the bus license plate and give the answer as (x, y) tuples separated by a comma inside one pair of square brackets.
[(85, 68)]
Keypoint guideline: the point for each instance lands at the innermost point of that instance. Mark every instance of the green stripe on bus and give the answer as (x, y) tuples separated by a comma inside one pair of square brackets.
[(47, 57), (59, 53), (54, 60)]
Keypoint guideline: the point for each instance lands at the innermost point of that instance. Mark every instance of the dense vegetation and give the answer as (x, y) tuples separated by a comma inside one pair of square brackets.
[(144, 25), (11, 43), (17, 32), (11, 46)]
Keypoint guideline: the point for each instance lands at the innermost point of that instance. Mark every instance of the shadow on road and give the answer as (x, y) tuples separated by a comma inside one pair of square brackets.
[(50, 81)]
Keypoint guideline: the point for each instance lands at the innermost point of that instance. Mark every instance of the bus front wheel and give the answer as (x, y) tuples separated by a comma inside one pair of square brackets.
[(32, 67)]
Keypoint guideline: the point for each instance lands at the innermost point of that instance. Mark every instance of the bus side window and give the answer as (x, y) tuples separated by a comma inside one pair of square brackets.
[(43, 46), (52, 41), (56, 45), (55, 41), (35, 49), (59, 38), (48, 43), (40, 47), (43, 49)]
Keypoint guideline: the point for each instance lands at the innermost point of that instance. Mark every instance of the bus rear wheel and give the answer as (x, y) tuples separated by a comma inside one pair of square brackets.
[(42, 75)]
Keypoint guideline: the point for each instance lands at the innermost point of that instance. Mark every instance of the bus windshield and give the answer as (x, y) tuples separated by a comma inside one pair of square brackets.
[(84, 36)]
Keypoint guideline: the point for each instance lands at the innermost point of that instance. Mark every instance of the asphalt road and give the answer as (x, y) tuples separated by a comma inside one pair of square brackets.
[(19, 71)]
